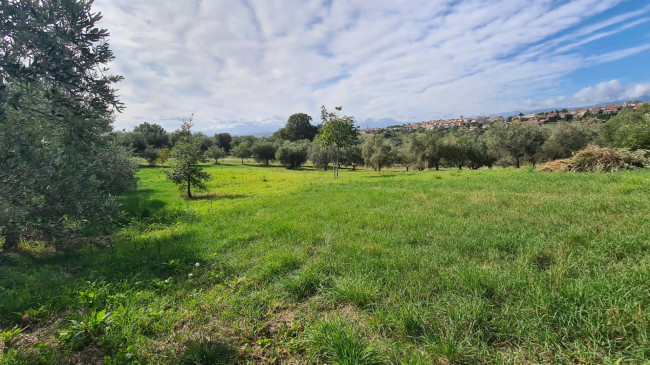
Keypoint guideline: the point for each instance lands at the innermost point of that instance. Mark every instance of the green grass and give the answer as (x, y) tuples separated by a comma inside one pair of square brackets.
[(488, 266)]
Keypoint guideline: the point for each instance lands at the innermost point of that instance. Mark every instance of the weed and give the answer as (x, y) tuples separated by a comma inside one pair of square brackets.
[(338, 343)]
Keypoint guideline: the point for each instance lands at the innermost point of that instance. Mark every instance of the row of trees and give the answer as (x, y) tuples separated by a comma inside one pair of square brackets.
[(336, 141), (153, 143), (506, 145)]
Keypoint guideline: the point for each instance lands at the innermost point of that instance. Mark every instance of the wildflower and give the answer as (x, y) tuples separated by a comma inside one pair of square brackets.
[(190, 275), (197, 265)]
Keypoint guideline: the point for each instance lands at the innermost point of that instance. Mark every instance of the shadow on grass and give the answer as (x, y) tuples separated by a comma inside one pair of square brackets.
[(216, 196), (380, 176), (56, 281)]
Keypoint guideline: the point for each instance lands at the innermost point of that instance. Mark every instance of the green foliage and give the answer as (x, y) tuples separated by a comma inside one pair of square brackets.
[(319, 156), (351, 156), (224, 140), (60, 166), (9, 337), (477, 152), (517, 141), (336, 133), (151, 155), (264, 151), (629, 129), (185, 169), (90, 328), (242, 150), (154, 135), (298, 127), (568, 138), (378, 152), (453, 150), (215, 153), (292, 154), (164, 155), (431, 154)]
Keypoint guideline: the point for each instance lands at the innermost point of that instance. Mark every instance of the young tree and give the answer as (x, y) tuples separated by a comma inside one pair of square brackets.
[(164, 155), (215, 153), (242, 150), (185, 169), (264, 151), (336, 133)]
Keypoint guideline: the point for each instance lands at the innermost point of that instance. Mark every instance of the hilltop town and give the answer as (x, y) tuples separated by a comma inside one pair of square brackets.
[(480, 122)]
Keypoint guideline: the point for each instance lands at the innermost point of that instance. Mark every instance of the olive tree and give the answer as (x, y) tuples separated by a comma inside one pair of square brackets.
[(263, 151), (292, 154), (61, 165), (216, 153)]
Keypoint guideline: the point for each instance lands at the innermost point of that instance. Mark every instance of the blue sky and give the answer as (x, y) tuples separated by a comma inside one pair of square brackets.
[(244, 66)]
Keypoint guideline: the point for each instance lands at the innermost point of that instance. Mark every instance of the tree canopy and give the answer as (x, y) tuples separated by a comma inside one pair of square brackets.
[(298, 127), (61, 168)]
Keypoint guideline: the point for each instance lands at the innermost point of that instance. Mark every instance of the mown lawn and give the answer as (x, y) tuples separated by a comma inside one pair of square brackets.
[(279, 266)]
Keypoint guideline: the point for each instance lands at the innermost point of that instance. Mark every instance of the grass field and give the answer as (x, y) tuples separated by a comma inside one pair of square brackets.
[(280, 266)]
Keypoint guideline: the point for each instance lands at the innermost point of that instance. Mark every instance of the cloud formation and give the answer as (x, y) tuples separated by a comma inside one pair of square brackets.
[(246, 65)]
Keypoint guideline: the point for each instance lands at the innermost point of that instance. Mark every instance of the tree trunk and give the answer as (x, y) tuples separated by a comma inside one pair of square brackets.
[(242, 161), (407, 169), (189, 193), (517, 162)]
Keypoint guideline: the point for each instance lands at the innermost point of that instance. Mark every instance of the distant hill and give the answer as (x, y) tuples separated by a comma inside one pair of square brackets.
[(644, 99)]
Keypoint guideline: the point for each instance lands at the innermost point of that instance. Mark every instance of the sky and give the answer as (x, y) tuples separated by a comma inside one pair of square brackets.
[(244, 66)]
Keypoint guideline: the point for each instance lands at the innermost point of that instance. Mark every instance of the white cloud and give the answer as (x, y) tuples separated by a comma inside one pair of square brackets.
[(604, 92), (241, 64)]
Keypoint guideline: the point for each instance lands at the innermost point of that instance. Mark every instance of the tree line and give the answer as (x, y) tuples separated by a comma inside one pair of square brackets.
[(513, 144)]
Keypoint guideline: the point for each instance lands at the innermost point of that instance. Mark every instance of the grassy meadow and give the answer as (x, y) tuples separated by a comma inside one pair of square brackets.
[(291, 266)]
